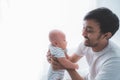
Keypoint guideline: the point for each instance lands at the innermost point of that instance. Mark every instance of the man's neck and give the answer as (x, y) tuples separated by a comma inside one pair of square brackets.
[(100, 47)]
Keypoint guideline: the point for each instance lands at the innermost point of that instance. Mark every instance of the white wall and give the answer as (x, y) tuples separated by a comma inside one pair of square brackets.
[(24, 27)]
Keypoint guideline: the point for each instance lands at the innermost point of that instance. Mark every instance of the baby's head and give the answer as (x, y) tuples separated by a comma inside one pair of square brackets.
[(57, 39)]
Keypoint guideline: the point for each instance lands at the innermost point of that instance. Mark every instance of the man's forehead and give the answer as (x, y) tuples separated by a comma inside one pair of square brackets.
[(91, 23)]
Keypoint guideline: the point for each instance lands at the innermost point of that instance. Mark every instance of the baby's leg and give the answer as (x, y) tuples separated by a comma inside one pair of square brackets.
[(56, 77)]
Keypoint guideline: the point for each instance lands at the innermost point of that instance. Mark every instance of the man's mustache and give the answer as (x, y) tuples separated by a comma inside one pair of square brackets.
[(86, 37)]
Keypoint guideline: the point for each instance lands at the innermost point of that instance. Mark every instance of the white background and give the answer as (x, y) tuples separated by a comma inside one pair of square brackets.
[(24, 27)]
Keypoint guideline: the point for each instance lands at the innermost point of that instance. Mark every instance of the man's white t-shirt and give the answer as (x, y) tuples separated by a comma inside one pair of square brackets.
[(103, 65)]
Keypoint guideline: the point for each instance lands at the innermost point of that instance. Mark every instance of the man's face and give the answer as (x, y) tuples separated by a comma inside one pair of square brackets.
[(91, 33)]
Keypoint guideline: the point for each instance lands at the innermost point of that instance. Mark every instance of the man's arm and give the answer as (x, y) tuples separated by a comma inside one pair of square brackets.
[(74, 74), (74, 58), (67, 64)]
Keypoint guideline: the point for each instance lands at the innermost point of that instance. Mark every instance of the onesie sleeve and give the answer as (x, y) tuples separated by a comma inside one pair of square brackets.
[(57, 52)]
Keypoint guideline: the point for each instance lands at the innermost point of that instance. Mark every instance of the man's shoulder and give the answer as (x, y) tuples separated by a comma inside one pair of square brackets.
[(112, 52), (114, 49)]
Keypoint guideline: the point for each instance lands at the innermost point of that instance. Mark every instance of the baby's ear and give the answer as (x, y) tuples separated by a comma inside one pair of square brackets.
[(54, 43)]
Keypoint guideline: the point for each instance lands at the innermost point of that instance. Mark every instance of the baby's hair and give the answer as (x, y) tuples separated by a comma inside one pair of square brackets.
[(53, 34)]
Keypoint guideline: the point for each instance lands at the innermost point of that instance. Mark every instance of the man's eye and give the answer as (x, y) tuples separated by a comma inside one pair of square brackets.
[(89, 30)]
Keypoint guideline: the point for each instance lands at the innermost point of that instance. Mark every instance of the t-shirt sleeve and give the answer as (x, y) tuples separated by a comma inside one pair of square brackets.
[(110, 70), (57, 52), (80, 49)]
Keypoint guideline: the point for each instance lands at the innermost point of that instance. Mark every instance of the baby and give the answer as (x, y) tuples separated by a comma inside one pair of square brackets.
[(58, 49)]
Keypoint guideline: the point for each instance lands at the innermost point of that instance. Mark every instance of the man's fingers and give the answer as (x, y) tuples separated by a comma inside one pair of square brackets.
[(48, 53), (54, 58), (49, 59), (54, 62), (48, 56)]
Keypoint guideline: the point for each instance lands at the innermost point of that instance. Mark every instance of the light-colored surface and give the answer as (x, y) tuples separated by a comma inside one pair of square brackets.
[(24, 27)]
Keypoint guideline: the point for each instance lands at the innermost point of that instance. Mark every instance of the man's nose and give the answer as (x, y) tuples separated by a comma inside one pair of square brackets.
[(84, 33)]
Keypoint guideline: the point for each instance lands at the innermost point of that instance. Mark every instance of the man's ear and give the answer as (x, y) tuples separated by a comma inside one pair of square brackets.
[(108, 35)]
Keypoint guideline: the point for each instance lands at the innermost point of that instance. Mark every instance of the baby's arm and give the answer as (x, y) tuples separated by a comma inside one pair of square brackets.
[(67, 63)]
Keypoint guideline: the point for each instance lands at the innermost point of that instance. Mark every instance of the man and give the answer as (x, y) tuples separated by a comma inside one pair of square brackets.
[(103, 56)]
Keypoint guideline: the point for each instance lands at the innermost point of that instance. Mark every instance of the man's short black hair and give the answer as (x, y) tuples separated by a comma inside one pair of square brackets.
[(108, 21)]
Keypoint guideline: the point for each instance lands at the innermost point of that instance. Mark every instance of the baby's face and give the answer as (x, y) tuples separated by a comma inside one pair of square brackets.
[(61, 42), (58, 39)]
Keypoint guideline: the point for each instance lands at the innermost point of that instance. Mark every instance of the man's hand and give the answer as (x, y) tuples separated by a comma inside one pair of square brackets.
[(55, 64), (52, 60), (49, 56)]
